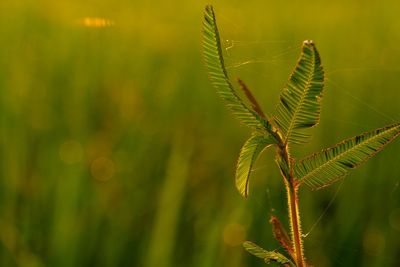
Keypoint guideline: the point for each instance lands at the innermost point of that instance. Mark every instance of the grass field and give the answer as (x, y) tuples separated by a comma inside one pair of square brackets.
[(116, 150)]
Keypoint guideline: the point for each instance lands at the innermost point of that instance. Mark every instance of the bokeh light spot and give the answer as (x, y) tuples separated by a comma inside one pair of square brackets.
[(102, 169), (71, 152), (234, 234), (374, 242), (394, 219), (93, 22)]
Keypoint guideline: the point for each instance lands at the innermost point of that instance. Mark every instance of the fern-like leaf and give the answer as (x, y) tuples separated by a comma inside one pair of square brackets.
[(267, 256), (300, 100), (324, 168), (219, 77), (247, 157)]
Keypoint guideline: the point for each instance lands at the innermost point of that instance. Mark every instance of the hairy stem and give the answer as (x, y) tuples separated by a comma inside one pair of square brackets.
[(295, 224)]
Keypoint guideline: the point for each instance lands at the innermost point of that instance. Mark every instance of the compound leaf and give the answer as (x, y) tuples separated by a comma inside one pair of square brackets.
[(329, 165), (300, 100), (219, 76)]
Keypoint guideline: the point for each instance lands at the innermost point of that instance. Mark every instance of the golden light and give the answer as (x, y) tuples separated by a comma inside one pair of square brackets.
[(94, 22)]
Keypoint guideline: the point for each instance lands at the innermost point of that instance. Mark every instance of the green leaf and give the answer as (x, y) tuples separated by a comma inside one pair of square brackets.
[(324, 168), (300, 100), (247, 157), (268, 256), (219, 77)]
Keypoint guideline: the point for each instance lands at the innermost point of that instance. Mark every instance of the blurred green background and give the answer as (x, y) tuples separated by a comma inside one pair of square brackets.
[(116, 150)]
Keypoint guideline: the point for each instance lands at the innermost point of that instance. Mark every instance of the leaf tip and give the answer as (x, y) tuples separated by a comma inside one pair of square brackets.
[(209, 8), (246, 244)]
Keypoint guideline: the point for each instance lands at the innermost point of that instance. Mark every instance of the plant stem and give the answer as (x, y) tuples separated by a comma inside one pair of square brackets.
[(295, 224)]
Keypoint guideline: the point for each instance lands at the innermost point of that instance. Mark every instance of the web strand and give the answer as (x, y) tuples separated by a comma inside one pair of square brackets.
[(230, 44), (325, 210), (276, 58), (362, 102), (273, 59)]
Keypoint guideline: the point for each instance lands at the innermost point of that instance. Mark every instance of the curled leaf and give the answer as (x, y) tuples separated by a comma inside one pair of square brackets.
[(248, 155)]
